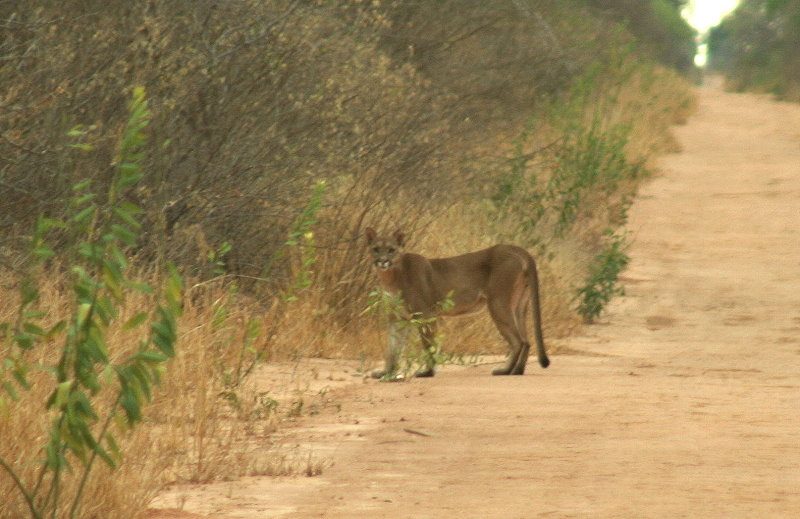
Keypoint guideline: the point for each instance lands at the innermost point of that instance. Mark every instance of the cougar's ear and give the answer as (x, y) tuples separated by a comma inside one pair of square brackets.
[(399, 237), (370, 233)]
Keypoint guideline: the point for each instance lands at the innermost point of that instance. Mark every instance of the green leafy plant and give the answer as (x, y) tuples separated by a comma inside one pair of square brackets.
[(301, 239), (299, 250), (83, 418), (414, 356), (577, 177), (601, 282), (217, 258)]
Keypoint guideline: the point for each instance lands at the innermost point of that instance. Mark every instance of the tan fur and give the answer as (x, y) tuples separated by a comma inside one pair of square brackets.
[(502, 277)]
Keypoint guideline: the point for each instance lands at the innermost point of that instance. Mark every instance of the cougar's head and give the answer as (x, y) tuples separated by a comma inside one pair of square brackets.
[(384, 249)]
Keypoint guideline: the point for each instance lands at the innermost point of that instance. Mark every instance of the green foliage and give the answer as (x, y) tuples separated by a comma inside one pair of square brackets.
[(415, 356), (601, 282), (301, 238), (585, 169), (217, 258), (756, 47), (81, 427), (254, 338), (659, 28), (591, 162), (387, 306)]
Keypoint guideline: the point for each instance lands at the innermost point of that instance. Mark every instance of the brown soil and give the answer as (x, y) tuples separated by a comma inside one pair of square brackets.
[(684, 403)]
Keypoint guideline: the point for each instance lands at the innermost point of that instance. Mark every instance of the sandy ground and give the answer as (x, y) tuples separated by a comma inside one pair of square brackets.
[(685, 403)]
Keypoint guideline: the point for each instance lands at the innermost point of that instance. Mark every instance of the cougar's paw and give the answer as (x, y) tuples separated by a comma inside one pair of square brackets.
[(425, 373), (502, 370), (385, 376)]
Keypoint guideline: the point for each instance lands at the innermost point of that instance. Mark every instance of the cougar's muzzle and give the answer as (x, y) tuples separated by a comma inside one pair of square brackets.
[(383, 264)]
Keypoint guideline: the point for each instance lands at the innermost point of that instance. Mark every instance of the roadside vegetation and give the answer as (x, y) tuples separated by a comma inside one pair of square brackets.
[(192, 180), (756, 48)]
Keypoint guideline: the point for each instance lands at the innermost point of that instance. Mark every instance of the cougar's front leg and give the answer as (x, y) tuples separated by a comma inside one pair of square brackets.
[(428, 335), (398, 335)]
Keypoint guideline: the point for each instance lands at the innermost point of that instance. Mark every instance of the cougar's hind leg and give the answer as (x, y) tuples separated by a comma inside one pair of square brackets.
[(520, 312), (522, 359), (503, 318)]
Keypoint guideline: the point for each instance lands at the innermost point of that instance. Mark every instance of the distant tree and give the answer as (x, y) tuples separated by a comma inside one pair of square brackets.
[(659, 27), (757, 47)]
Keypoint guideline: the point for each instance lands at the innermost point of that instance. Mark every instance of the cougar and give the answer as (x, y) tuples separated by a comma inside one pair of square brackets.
[(502, 277)]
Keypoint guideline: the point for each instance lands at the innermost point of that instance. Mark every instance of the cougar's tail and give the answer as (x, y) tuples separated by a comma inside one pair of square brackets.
[(533, 277)]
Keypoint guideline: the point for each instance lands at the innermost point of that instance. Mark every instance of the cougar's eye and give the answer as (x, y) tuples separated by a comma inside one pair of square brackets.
[(390, 250), (376, 250)]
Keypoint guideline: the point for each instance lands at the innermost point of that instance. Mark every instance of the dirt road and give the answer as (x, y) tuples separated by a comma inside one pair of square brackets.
[(685, 404)]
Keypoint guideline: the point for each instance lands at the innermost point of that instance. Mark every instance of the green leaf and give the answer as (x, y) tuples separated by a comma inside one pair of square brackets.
[(84, 214), (29, 292), (44, 224), (105, 456), (120, 258), (127, 217), (142, 376), (9, 387), (95, 346), (80, 186), (84, 311), (84, 406), (60, 395), (112, 275), (139, 287), (77, 447), (24, 341), (35, 314), (131, 406), (113, 448), (164, 345), (151, 357), (124, 234), (54, 460), (43, 252), (131, 173), (88, 197), (19, 375), (135, 321), (33, 329), (105, 310), (82, 146), (56, 328), (162, 329), (130, 208)]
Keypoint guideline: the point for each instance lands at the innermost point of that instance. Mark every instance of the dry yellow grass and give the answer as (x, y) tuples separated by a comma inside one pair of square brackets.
[(199, 427)]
